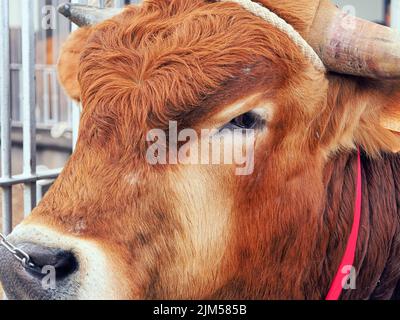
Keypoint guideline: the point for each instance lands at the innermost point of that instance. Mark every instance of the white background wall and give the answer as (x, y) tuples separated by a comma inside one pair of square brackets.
[(396, 14), (372, 10), (15, 13)]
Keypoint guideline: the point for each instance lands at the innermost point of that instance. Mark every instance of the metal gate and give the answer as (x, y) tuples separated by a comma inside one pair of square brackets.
[(21, 106)]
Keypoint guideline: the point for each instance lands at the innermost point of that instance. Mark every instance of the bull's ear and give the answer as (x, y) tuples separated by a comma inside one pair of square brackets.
[(379, 126), (68, 63), (361, 112), (390, 120)]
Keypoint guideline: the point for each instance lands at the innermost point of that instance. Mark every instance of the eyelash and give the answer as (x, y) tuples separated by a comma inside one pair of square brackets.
[(246, 121)]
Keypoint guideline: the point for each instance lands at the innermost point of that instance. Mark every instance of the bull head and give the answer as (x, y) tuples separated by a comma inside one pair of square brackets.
[(346, 44), (120, 223)]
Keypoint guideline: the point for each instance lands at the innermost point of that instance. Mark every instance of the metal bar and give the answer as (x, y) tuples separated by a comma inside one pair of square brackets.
[(42, 36), (28, 102), (38, 67), (395, 14), (43, 187), (55, 36), (55, 101), (14, 95), (46, 97), (18, 179), (5, 112)]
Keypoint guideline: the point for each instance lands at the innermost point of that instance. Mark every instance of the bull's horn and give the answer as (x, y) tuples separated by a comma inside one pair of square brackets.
[(83, 15), (354, 46)]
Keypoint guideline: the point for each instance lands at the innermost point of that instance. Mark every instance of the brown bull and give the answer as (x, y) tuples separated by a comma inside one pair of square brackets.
[(115, 226)]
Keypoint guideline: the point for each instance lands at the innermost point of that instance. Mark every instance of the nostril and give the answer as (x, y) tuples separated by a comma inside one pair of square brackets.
[(63, 262), (66, 265)]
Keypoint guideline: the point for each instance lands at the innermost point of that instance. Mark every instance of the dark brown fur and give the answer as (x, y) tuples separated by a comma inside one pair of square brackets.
[(378, 248)]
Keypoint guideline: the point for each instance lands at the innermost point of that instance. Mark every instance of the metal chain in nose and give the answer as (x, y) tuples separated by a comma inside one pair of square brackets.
[(18, 254)]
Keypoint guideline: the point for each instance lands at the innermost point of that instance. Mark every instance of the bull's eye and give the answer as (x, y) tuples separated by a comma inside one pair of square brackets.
[(248, 120)]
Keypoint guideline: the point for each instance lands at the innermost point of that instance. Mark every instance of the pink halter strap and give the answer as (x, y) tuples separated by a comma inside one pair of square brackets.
[(348, 259)]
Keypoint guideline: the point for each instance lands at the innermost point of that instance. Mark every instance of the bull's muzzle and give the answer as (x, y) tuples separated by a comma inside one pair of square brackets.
[(50, 277)]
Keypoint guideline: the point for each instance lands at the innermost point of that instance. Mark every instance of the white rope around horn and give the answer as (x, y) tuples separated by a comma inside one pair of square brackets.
[(285, 27)]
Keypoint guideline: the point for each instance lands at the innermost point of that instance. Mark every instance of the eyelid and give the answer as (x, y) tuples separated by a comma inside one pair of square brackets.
[(260, 111), (259, 121)]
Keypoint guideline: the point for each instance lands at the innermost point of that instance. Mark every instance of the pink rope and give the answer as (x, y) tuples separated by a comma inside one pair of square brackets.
[(348, 259)]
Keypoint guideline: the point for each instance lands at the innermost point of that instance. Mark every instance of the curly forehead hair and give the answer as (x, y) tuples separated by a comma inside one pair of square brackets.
[(164, 59)]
